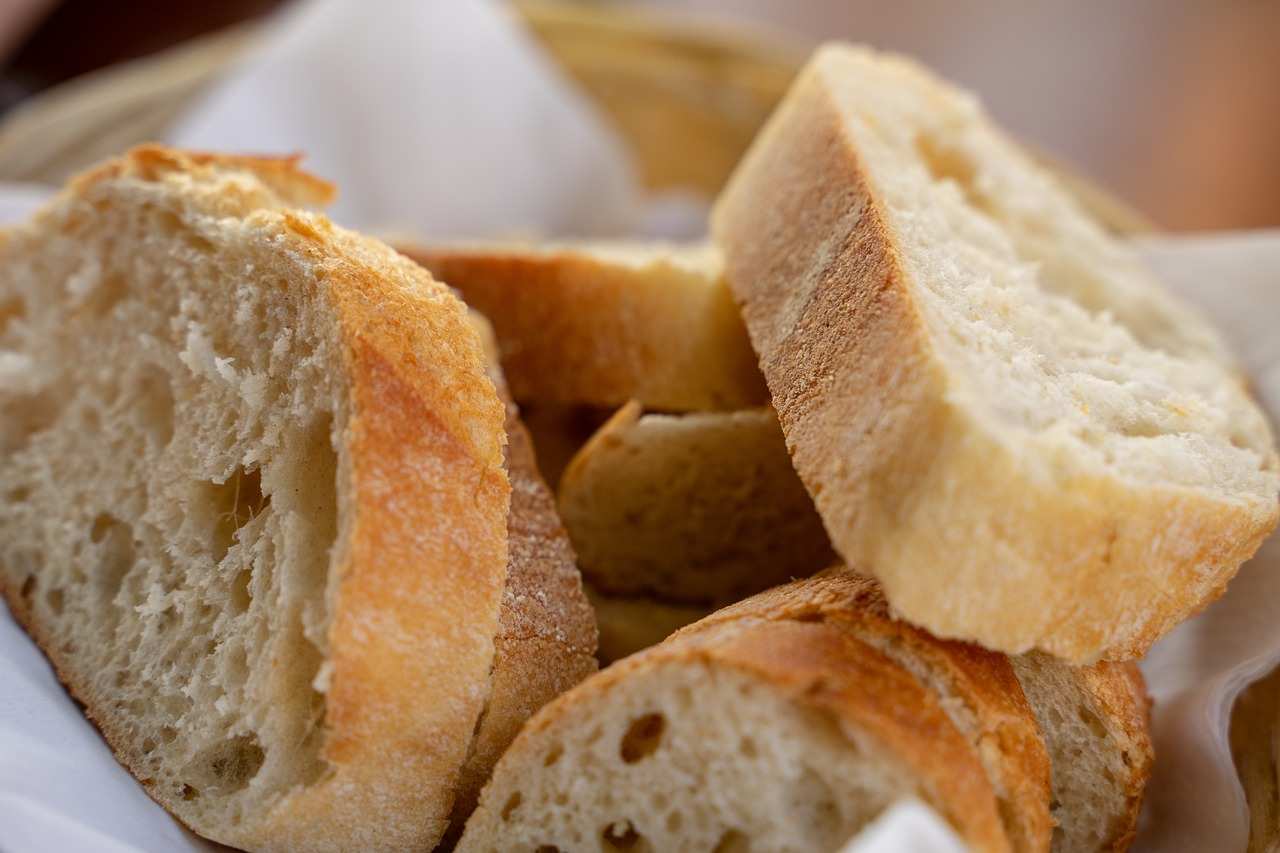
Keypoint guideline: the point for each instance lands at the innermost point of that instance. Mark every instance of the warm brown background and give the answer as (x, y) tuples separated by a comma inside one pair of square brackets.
[(1173, 104)]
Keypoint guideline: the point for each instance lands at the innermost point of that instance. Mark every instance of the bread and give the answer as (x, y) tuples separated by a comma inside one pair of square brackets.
[(698, 508), (749, 734), (546, 638), (254, 509), (977, 689), (601, 324), (989, 398), (1095, 721), (1255, 746), (628, 624)]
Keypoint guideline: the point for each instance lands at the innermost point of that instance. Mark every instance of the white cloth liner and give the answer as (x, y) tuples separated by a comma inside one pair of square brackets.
[(444, 119)]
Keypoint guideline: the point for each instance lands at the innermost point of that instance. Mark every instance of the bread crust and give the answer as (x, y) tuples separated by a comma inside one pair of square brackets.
[(546, 640), (873, 701), (961, 531), (993, 713), (422, 557), (576, 326)]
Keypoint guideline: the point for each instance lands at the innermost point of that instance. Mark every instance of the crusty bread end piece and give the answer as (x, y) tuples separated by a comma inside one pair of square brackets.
[(698, 508), (254, 506), (1000, 415), (1255, 746)]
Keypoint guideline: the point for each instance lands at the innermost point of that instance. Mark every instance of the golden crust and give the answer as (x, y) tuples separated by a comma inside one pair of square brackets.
[(575, 327), (986, 703), (416, 605), (862, 402), (872, 700), (546, 639)]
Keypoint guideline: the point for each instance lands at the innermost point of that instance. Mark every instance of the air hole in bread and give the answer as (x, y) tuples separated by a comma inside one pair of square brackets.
[(226, 767), (1095, 725), (675, 820), (241, 593), (815, 803), (55, 599), (643, 737), (11, 309), (621, 835), (102, 294), (28, 588), (547, 848), (732, 841), (189, 793), (946, 164), (747, 747), (26, 415), (18, 494), (114, 539), (512, 803), (237, 502), (155, 403), (553, 755)]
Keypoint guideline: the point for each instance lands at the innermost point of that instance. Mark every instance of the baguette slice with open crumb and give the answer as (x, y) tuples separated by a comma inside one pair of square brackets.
[(748, 734), (254, 506), (698, 508), (998, 412), (1095, 722), (604, 323)]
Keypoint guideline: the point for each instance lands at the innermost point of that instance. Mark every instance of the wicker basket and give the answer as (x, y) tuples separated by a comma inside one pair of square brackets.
[(688, 99)]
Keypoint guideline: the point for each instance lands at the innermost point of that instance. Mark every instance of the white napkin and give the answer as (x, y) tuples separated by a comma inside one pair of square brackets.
[(441, 118), (1195, 802)]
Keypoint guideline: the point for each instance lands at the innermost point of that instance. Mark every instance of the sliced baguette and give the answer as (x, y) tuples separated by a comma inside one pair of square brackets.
[(254, 502), (696, 508), (749, 734), (628, 624), (601, 324), (999, 414), (976, 688), (1095, 721)]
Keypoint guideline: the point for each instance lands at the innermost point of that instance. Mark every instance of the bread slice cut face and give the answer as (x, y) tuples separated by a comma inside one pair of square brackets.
[(254, 505), (999, 413)]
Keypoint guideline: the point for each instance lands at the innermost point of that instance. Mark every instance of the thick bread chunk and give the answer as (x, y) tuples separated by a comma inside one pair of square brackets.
[(254, 506), (1255, 746), (1095, 721), (759, 734), (628, 624), (699, 508), (546, 640), (600, 324), (976, 688), (1000, 415)]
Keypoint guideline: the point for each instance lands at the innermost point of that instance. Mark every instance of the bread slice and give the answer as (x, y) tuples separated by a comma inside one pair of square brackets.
[(1095, 721), (696, 508), (999, 413), (749, 734), (976, 688), (628, 624), (601, 324), (1255, 746), (254, 506), (546, 638)]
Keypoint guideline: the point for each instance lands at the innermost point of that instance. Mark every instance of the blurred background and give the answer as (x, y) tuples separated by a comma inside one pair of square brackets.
[(1173, 105)]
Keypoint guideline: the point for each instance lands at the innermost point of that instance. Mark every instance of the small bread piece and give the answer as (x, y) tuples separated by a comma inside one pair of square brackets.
[(697, 508), (977, 688), (999, 413), (546, 640), (1255, 746), (628, 624), (254, 509), (600, 324), (777, 735), (1095, 721)]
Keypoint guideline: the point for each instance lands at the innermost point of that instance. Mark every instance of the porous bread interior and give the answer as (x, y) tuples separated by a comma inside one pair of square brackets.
[(1047, 326), (172, 495), (1088, 758), (685, 756)]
